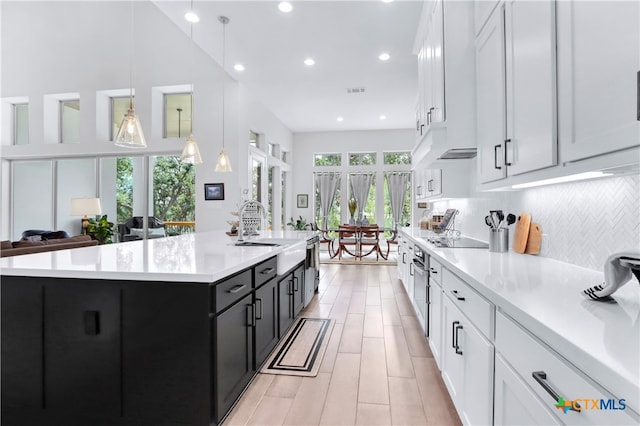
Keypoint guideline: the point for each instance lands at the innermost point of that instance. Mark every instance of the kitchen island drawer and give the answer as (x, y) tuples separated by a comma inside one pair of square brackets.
[(265, 271), (478, 309), (552, 377), (232, 289)]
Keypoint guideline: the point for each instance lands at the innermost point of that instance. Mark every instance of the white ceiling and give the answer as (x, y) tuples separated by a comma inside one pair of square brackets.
[(343, 37)]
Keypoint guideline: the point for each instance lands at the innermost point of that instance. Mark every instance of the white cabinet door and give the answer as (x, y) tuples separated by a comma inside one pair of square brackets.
[(436, 65), (490, 99), (598, 64), (477, 353), (452, 363), (434, 183), (514, 403), (531, 85), (435, 321)]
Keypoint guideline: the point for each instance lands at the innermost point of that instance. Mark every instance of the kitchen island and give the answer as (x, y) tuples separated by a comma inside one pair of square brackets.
[(160, 332)]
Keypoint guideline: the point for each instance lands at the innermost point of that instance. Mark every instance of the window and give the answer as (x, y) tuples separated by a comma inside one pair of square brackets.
[(327, 159), (119, 107), (21, 124), (369, 211), (270, 206), (173, 193), (70, 121), (253, 139), (177, 115), (397, 157), (256, 180), (362, 159), (271, 150), (283, 199), (284, 156)]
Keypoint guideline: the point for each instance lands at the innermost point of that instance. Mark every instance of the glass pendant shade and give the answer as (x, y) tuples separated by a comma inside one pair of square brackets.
[(130, 133), (191, 153), (223, 165)]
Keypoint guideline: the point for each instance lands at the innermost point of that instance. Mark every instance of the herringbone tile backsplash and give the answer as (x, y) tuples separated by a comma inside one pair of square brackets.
[(582, 222)]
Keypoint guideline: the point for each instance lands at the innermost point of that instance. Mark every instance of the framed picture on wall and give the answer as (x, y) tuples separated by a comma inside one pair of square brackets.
[(214, 191), (303, 201)]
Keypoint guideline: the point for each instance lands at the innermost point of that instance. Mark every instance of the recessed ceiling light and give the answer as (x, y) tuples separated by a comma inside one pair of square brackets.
[(387, 1), (383, 117), (384, 56), (308, 62), (340, 119), (238, 67), (285, 7), (192, 17)]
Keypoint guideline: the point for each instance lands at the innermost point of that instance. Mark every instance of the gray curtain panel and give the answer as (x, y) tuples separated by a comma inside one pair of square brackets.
[(327, 184), (397, 184), (360, 185)]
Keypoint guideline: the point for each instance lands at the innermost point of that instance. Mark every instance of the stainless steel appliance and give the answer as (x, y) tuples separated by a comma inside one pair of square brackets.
[(421, 286), (312, 269)]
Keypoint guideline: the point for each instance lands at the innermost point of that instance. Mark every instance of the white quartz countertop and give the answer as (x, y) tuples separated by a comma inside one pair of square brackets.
[(545, 296), (201, 257)]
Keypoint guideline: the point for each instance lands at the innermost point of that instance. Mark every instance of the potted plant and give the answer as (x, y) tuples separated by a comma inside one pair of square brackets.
[(299, 225), (101, 230)]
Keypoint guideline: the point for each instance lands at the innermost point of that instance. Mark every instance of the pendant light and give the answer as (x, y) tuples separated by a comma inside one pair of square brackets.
[(223, 165), (130, 133), (191, 153)]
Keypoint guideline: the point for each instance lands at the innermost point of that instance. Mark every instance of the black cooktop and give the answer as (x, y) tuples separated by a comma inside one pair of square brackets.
[(462, 242)]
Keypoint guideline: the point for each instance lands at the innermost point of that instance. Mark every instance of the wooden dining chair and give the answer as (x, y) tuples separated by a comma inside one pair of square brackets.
[(369, 239), (348, 237)]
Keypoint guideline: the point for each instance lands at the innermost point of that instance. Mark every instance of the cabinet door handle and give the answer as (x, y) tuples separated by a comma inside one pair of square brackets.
[(422, 128), (433, 271), (411, 269), (638, 96), (403, 257), (419, 190), (454, 342), (92, 323), (541, 378), (428, 117), (259, 316), (267, 271), (495, 157), (506, 163), (429, 185), (251, 315), (295, 284), (455, 294), (237, 288), (458, 350), (430, 114)]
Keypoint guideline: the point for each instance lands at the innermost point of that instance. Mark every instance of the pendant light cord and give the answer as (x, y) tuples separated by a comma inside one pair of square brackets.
[(131, 60), (224, 71), (193, 63)]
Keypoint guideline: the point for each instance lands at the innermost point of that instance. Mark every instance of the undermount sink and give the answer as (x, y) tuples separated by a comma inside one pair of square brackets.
[(293, 251)]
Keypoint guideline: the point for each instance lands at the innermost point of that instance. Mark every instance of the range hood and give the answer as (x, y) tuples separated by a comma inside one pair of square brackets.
[(458, 154)]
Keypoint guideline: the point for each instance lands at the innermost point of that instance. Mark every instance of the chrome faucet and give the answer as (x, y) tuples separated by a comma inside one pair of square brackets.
[(257, 205)]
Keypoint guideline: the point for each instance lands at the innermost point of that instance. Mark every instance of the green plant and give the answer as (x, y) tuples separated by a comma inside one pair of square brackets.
[(299, 225), (101, 230)]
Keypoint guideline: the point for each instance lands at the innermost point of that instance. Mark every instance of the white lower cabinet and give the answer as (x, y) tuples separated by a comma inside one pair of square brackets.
[(515, 403), (467, 366), (549, 377), (435, 321)]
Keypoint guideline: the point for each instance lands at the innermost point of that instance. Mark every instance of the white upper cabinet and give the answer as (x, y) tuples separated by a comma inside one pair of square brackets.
[(598, 65), (516, 90), (445, 53)]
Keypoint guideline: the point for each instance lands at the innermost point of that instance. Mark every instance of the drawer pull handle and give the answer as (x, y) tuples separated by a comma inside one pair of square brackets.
[(433, 271), (237, 288), (541, 378), (267, 271), (455, 294), (92, 323), (454, 340), (458, 350)]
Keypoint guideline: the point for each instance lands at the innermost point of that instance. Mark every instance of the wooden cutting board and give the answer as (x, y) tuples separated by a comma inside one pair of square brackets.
[(522, 232), (534, 240)]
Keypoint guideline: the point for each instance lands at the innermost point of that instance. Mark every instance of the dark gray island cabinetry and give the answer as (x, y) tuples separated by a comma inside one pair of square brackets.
[(79, 351)]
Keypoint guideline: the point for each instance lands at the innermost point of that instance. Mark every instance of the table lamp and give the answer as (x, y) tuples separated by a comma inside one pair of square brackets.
[(84, 207)]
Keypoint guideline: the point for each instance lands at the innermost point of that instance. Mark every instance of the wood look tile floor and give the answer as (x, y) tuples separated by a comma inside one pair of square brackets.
[(377, 369)]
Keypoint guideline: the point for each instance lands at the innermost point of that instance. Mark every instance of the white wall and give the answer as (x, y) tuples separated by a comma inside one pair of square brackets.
[(54, 48), (308, 144)]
